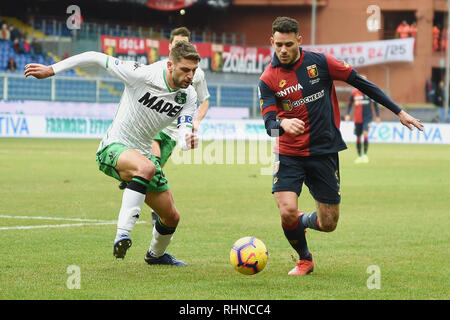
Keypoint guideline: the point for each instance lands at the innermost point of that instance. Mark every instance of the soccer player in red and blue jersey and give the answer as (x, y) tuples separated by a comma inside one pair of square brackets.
[(362, 116), (300, 107)]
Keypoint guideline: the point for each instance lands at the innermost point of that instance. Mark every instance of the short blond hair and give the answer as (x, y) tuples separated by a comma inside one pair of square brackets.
[(183, 50)]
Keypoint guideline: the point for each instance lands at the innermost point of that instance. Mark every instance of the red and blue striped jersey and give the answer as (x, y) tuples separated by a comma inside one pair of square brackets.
[(305, 90), (363, 107)]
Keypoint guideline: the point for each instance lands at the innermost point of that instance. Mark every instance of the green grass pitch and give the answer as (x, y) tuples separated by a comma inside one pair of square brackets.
[(394, 216)]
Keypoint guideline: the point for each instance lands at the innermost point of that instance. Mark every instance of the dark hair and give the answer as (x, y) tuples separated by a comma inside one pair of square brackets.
[(182, 31), (183, 49), (285, 25)]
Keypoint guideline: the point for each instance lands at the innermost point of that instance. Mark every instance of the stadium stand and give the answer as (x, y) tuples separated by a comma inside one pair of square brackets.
[(80, 86)]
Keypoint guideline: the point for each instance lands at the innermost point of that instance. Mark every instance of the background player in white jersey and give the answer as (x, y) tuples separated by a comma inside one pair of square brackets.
[(165, 141), (153, 97)]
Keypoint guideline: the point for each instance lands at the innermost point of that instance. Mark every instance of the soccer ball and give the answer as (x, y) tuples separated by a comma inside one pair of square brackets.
[(249, 255)]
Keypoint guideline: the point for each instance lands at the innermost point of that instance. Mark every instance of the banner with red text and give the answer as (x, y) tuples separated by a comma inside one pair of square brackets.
[(361, 54), (215, 57)]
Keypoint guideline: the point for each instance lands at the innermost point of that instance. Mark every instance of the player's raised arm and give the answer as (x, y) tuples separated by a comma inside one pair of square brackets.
[(374, 92), (40, 71), (342, 71), (123, 70)]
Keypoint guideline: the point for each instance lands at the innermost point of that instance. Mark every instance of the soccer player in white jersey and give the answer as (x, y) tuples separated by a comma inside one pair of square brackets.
[(165, 141), (153, 97)]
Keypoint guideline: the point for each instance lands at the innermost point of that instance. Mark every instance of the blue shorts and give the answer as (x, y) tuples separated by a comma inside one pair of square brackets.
[(360, 127), (320, 174)]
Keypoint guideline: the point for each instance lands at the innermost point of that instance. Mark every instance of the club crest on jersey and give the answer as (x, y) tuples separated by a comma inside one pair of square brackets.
[(180, 97), (312, 71)]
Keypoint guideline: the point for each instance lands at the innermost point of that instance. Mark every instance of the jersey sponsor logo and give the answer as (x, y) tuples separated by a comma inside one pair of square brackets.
[(308, 99), (282, 83), (312, 71), (161, 105), (288, 90), (361, 100)]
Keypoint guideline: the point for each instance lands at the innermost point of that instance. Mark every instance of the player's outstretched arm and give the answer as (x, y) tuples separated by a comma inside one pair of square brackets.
[(409, 121), (38, 71), (83, 59), (379, 96)]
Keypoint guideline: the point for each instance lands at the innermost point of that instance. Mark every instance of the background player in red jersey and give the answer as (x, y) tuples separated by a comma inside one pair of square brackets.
[(362, 116), (299, 106)]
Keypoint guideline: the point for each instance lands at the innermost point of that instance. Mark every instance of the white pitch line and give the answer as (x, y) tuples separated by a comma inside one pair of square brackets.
[(90, 222), (53, 218), (55, 226)]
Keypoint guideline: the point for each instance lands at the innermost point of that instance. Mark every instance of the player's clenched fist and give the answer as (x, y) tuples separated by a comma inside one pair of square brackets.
[(38, 71), (191, 140), (293, 126)]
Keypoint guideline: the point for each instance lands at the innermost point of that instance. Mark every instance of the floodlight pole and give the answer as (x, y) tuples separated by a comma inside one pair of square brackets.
[(313, 23), (447, 64)]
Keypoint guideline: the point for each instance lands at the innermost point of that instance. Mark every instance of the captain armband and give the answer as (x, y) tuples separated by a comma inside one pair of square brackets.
[(184, 125)]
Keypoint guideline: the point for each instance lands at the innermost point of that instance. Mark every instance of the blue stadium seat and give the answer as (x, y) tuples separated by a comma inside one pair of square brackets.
[(29, 89), (74, 90), (237, 96)]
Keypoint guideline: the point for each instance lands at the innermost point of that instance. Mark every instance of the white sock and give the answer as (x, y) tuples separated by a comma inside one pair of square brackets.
[(159, 243), (132, 202)]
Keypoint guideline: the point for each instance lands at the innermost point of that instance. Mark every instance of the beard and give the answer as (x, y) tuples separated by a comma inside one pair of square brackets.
[(180, 82)]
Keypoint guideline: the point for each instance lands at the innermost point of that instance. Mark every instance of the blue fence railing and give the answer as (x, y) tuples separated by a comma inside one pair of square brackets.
[(109, 90)]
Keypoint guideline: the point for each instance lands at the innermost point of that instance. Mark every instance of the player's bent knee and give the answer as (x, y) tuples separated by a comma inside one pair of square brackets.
[(289, 215), (171, 218), (146, 170), (328, 227)]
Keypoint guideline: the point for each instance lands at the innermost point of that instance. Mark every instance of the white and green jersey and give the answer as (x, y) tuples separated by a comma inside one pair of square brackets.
[(199, 84), (147, 104)]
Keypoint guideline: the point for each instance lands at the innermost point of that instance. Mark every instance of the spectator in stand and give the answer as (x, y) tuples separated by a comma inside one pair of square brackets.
[(413, 33), (403, 30), (11, 66), (24, 45), (413, 29), (16, 46), (444, 39), (4, 33), (430, 89), (436, 36), (14, 33), (35, 48), (439, 100)]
